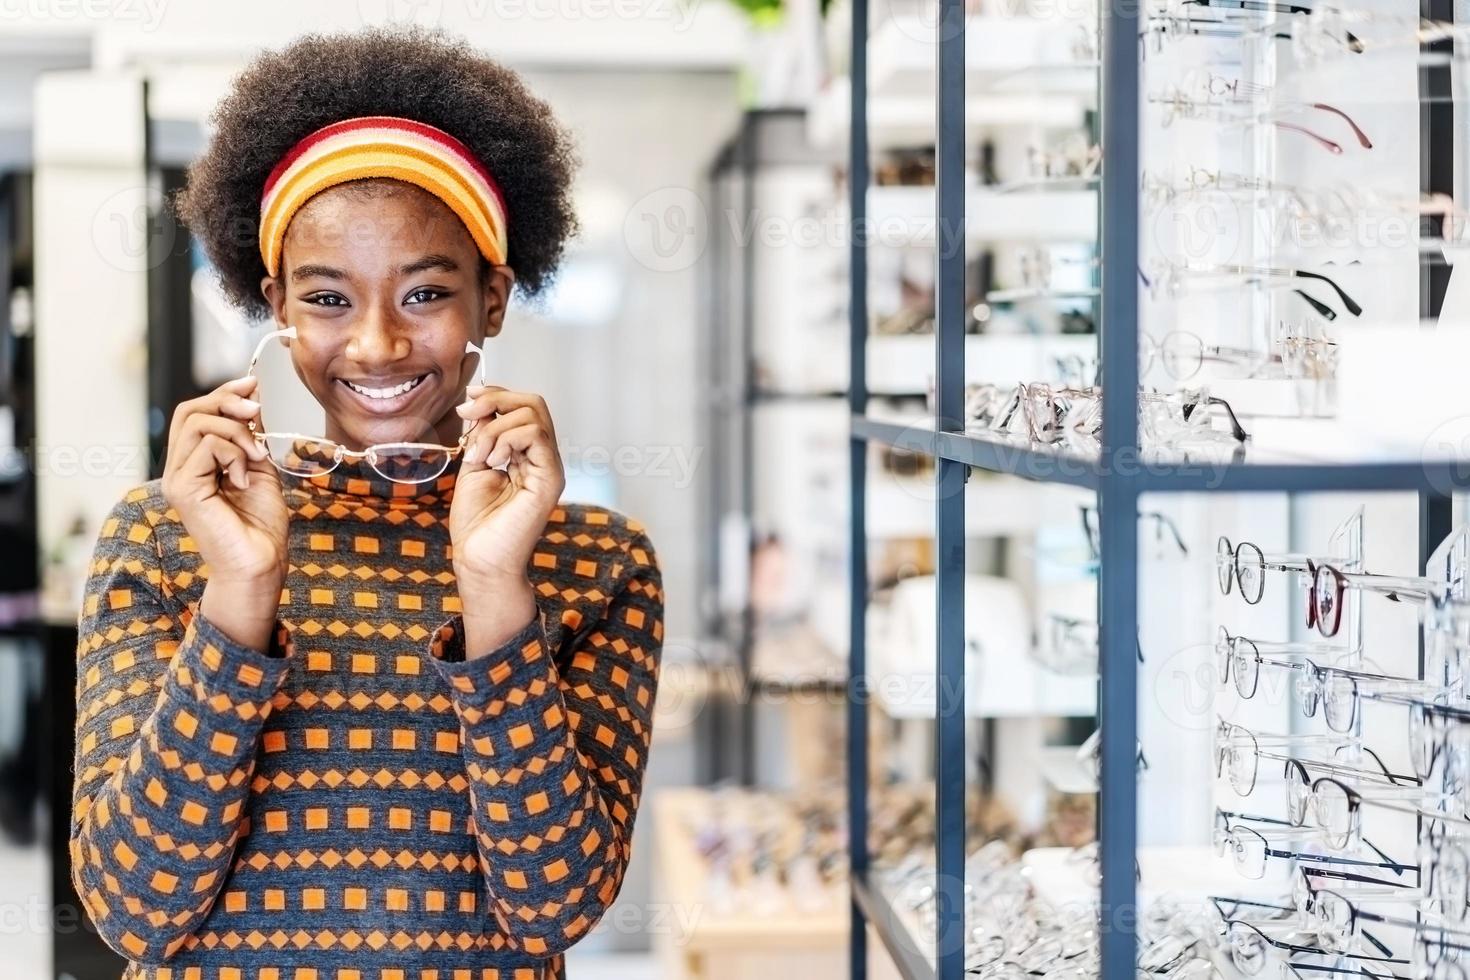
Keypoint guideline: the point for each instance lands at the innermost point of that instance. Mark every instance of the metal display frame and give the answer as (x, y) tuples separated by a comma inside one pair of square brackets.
[(766, 140), (1117, 475)]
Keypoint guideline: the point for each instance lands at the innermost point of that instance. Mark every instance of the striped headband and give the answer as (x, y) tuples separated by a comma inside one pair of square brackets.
[(383, 146)]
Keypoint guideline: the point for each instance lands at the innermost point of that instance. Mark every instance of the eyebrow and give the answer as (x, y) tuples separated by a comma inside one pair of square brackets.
[(433, 260)]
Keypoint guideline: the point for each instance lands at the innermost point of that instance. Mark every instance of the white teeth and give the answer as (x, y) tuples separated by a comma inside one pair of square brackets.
[(385, 392)]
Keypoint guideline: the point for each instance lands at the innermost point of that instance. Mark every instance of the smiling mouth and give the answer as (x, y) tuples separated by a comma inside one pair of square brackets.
[(385, 394), (385, 400)]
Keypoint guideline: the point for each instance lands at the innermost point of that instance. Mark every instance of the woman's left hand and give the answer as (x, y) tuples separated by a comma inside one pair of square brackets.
[(498, 516)]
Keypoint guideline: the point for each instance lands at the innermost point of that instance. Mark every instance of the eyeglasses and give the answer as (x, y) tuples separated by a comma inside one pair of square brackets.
[(1251, 846), (1054, 414), (1446, 872), (1338, 690), (1170, 278), (1161, 415), (1431, 731), (1241, 656), (1245, 565), (1164, 529), (1329, 585), (1073, 160), (1435, 957), (1338, 920), (400, 462), (1322, 34), (1089, 753), (1337, 807), (1207, 85), (1163, 27), (1183, 354), (1251, 948), (1276, 828), (1354, 884), (1239, 750), (1071, 647), (1299, 782)]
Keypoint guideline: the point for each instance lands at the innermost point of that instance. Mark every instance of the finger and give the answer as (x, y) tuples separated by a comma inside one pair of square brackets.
[(482, 439), (239, 407), (197, 427), (493, 398), (232, 430), (529, 439), (213, 454), (210, 403)]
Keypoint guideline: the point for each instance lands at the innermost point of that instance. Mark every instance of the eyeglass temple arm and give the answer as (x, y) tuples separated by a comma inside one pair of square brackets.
[(1236, 429), (1293, 649), (1321, 308), (1164, 521), (1347, 300), (1262, 5), (1389, 886), (1334, 768), (470, 347), (289, 332), (1363, 140), (1331, 146)]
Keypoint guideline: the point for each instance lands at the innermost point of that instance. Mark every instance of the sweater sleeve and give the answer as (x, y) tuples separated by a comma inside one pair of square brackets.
[(169, 713), (556, 754)]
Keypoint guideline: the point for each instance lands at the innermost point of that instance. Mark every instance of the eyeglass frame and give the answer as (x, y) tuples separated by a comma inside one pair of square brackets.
[(1230, 643), (1273, 563), (1392, 587), (1228, 734), (341, 452)]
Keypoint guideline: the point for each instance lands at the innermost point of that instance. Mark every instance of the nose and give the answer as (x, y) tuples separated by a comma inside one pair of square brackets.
[(377, 343)]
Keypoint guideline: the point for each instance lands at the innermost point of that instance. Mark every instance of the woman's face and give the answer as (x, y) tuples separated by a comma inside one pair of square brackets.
[(381, 281)]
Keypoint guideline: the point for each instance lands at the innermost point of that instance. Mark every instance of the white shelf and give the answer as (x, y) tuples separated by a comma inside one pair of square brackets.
[(902, 215), (1019, 71), (905, 121), (1003, 55)]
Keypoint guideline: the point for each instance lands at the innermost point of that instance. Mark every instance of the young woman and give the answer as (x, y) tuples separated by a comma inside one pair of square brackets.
[(346, 709)]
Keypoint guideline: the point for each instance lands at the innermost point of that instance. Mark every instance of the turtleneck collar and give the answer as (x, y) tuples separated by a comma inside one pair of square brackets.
[(354, 477)]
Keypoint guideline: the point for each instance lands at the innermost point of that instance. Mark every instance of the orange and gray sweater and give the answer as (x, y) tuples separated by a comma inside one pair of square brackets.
[(360, 801)]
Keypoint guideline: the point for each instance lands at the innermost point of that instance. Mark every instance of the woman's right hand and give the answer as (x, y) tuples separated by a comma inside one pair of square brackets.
[(227, 492)]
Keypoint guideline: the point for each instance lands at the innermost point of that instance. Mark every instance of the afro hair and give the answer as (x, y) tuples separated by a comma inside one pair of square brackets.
[(418, 73)]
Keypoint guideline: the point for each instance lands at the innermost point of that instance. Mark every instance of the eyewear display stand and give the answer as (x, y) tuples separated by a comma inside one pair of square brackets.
[(1119, 472)]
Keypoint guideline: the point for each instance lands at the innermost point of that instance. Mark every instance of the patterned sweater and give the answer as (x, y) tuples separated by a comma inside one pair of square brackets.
[(359, 802)]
